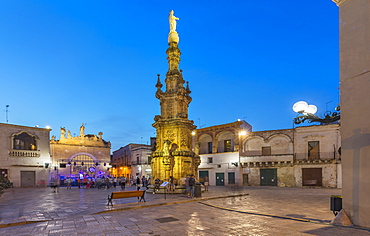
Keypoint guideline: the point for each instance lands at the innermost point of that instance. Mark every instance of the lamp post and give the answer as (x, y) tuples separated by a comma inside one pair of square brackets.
[(307, 112), (242, 134)]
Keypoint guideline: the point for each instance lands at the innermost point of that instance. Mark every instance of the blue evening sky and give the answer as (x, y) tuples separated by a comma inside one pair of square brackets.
[(63, 63)]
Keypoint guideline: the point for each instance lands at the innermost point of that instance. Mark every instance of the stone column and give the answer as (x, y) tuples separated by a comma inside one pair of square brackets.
[(355, 108)]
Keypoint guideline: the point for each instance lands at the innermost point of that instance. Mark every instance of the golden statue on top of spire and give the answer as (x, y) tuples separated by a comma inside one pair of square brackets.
[(172, 19), (173, 35)]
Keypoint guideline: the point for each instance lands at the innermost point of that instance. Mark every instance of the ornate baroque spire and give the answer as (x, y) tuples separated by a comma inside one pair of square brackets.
[(173, 155)]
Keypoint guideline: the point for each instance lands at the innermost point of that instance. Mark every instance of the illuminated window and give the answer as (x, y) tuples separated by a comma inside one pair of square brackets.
[(227, 145), (24, 141)]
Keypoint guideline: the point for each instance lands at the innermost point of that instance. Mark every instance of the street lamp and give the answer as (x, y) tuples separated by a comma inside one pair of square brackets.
[(307, 112)]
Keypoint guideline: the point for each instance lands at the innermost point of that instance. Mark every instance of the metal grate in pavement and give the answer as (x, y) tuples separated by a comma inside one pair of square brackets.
[(166, 219)]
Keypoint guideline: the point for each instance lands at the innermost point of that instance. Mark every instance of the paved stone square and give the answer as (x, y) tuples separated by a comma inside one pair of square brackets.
[(221, 211)]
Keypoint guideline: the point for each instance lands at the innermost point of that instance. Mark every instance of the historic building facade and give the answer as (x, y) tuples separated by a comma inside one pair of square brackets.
[(131, 160), (173, 155), (84, 154), (25, 155), (218, 147), (231, 154)]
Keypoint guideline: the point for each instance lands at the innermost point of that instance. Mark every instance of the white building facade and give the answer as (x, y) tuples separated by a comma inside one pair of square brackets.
[(25, 155), (232, 154)]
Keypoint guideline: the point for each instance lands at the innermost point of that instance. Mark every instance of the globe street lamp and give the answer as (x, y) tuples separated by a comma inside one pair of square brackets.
[(307, 112)]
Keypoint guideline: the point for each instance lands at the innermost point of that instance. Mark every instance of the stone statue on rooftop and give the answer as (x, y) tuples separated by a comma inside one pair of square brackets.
[(62, 132), (82, 130)]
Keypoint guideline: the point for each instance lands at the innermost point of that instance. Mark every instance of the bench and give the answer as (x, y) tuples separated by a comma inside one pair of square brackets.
[(126, 194)]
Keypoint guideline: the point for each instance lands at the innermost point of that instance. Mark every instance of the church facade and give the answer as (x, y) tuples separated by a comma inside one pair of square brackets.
[(83, 154)]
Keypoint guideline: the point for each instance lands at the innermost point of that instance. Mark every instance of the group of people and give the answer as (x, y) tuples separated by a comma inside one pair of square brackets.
[(98, 182), (141, 182), (190, 185), (189, 182), (114, 182)]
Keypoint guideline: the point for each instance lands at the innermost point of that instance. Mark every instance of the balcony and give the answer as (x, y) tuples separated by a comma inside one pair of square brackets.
[(317, 156), (267, 158), (24, 153)]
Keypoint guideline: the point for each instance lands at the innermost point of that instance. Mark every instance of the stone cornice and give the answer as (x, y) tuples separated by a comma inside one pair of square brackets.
[(25, 127), (339, 2)]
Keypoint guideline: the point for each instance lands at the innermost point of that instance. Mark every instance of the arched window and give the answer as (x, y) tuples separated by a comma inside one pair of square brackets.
[(24, 141), (82, 163)]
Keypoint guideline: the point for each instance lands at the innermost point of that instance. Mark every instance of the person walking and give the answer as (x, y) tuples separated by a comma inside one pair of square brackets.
[(123, 183), (170, 186), (114, 182), (107, 182), (206, 183), (138, 182), (54, 184), (192, 185), (69, 183)]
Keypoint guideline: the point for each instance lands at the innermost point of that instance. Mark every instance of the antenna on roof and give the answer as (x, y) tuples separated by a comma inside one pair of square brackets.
[(6, 111)]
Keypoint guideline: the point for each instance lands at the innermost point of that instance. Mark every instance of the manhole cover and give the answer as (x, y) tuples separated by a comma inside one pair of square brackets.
[(166, 219)]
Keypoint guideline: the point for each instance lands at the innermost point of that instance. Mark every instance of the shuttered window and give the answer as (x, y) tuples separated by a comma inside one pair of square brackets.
[(313, 150)]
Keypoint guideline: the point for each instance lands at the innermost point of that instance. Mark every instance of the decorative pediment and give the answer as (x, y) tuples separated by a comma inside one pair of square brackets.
[(23, 131)]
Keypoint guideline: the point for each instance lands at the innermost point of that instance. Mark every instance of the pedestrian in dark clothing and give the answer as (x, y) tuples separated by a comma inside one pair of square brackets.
[(192, 185), (138, 182)]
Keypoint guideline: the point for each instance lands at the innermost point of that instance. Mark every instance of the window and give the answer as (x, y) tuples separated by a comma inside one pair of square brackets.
[(210, 159), (209, 147), (227, 145), (266, 151), (24, 141), (231, 177), (82, 163), (313, 150)]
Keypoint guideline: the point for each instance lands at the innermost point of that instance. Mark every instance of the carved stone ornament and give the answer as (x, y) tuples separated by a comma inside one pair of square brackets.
[(339, 2)]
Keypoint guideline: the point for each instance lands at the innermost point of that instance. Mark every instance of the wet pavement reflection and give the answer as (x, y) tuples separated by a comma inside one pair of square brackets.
[(73, 212)]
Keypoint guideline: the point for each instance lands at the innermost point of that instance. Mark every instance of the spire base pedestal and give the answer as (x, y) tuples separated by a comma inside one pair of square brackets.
[(173, 37)]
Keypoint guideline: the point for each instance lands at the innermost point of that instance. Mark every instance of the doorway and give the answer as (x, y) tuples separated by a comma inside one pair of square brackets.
[(311, 176), (220, 179), (202, 175), (268, 177), (231, 178), (28, 178), (245, 180)]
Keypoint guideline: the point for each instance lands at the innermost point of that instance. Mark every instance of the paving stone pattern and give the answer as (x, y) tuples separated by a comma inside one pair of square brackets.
[(73, 212)]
